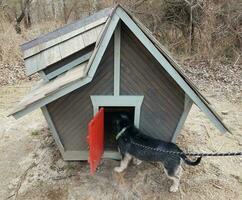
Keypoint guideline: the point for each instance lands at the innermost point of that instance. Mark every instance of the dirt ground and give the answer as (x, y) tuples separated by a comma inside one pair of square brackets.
[(31, 166)]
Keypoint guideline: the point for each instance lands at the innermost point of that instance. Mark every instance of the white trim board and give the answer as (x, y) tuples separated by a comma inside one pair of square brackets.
[(102, 45), (119, 101), (117, 46)]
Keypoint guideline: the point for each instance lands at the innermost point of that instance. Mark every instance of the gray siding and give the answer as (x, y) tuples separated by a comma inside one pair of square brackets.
[(141, 74), (72, 113)]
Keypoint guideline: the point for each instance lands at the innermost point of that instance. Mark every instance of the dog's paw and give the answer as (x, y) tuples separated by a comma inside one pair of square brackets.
[(173, 188), (118, 169)]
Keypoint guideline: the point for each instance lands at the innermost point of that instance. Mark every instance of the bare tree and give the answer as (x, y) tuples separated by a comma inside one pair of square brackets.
[(193, 5), (68, 7), (24, 12), (53, 9)]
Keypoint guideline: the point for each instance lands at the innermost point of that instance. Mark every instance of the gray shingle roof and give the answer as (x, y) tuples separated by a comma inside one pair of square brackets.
[(66, 29)]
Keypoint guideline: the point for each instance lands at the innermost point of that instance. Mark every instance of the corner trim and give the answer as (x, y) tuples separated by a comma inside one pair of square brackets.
[(117, 45), (53, 129), (187, 107)]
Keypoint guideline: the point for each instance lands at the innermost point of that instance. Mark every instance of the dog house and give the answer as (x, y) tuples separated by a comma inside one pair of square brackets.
[(98, 67)]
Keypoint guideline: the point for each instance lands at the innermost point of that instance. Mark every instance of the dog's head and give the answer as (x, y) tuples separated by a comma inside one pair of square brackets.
[(120, 122)]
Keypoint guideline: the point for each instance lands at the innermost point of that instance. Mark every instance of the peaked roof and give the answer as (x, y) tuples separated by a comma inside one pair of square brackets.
[(147, 39)]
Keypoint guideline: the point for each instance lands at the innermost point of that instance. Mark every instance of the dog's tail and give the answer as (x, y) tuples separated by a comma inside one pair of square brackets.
[(189, 162)]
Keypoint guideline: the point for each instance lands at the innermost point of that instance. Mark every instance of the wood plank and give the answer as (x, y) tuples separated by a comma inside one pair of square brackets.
[(117, 45), (68, 59), (89, 37), (69, 65), (30, 52), (75, 155), (40, 61), (72, 45), (49, 57), (83, 155), (31, 65), (99, 30)]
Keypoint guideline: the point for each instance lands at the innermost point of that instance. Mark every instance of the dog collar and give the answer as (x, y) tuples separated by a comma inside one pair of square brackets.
[(121, 132)]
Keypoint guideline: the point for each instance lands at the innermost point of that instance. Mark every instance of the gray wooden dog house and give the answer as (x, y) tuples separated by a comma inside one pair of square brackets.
[(107, 60)]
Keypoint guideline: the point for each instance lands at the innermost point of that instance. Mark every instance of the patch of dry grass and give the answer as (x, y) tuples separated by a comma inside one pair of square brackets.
[(12, 68)]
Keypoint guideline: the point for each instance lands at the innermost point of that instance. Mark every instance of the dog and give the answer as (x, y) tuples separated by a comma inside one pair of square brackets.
[(134, 145)]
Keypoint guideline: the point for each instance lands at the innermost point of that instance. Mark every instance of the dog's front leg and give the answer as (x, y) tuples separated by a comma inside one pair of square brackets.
[(124, 163)]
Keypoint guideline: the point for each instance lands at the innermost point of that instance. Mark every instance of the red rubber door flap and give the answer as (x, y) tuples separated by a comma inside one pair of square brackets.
[(95, 140)]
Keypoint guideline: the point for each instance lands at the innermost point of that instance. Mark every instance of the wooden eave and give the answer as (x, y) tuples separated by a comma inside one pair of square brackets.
[(46, 89)]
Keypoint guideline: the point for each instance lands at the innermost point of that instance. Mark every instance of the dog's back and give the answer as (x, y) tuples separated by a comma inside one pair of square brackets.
[(144, 147)]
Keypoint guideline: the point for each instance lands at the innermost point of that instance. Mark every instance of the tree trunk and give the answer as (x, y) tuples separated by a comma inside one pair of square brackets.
[(27, 19), (22, 15), (53, 9), (64, 8), (190, 29)]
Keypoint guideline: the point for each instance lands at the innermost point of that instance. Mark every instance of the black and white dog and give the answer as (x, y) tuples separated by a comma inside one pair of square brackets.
[(134, 145)]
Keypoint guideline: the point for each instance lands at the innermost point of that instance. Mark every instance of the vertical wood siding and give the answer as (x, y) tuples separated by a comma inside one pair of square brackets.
[(72, 112), (141, 74)]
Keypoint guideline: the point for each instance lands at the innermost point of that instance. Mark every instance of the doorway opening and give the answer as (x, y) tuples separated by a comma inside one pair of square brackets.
[(110, 143)]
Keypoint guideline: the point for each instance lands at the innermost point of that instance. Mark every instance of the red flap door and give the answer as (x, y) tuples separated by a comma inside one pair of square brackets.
[(95, 140)]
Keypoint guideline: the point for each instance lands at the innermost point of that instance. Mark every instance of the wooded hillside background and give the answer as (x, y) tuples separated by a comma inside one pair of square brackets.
[(203, 35)]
